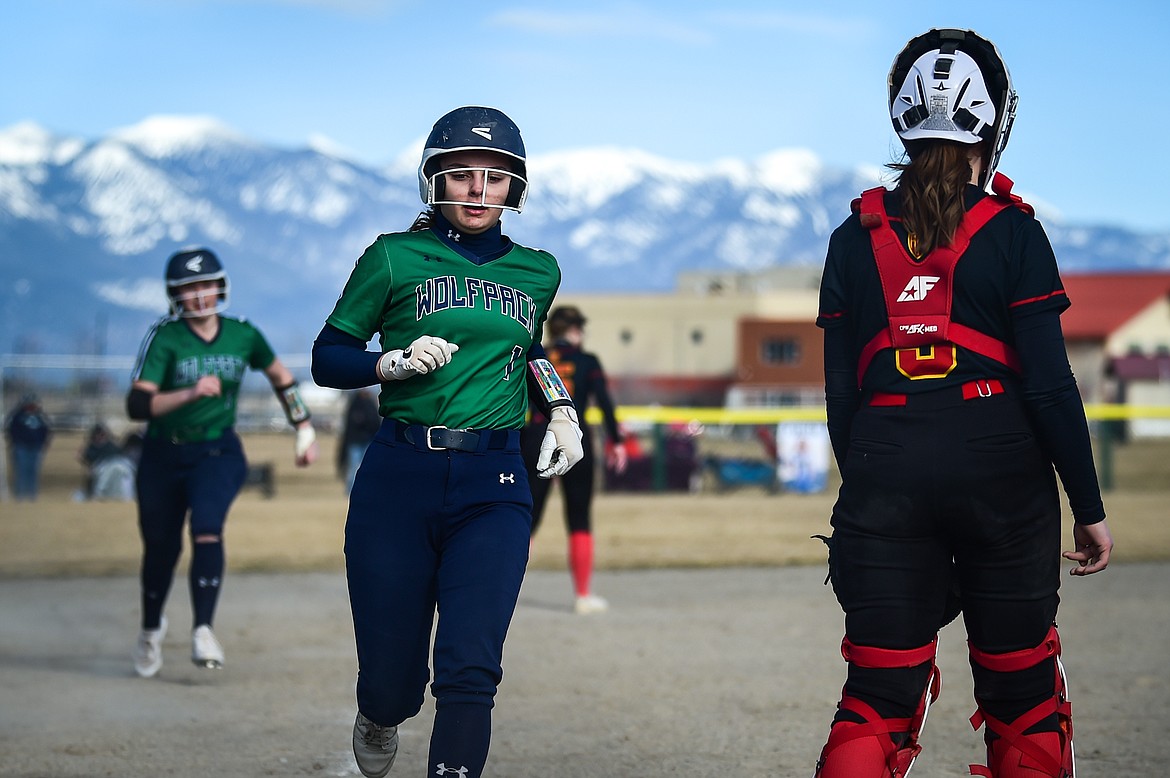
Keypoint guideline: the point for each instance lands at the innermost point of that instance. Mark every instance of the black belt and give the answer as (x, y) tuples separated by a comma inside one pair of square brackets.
[(192, 434), (439, 438)]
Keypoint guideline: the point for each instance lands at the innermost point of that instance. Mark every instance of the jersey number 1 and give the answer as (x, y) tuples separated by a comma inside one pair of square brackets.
[(517, 352)]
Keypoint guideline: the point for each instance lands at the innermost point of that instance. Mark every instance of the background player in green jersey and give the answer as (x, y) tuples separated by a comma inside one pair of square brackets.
[(440, 511), (185, 386)]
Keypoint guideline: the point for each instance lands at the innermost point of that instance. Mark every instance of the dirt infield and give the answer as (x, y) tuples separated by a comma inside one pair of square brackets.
[(693, 673), (718, 657)]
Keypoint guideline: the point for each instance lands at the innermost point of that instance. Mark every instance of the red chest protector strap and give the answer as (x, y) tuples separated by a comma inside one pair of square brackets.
[(918, 295)]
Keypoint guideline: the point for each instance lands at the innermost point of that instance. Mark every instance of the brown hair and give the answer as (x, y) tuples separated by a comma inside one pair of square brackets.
[(562, 318), (931, 185), (424, 221)]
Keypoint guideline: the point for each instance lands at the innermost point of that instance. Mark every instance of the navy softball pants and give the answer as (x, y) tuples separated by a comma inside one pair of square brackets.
[(174, 479), (431, 530), (947, 504)]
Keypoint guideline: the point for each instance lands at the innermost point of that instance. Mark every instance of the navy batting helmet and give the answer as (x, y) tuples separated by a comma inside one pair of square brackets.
[(473, 128), (189, 266)]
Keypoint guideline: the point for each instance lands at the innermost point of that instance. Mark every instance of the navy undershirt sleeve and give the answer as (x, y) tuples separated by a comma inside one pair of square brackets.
[(1057, 412), (341, 361)]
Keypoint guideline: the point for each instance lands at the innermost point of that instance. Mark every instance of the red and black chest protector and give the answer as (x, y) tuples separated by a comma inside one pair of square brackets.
[(918, 294)]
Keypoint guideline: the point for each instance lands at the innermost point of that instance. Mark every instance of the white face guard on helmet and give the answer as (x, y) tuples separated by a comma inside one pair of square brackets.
[(953, 85), (181, 294), (436, 189)]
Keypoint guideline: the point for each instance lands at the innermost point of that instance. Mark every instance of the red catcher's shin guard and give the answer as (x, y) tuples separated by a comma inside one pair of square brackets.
[(1010, 752), (878, 748)]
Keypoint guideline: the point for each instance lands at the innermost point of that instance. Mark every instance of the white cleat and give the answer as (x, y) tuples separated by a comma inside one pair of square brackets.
[(590, 603), (374, 747), (148, 651), (205, 649)]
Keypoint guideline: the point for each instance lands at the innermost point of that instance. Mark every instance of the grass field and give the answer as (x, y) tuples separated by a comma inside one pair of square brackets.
[(300, 528)]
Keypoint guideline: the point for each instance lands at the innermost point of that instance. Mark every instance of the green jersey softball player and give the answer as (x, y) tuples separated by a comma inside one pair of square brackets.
[(185, 386), (440, 511)]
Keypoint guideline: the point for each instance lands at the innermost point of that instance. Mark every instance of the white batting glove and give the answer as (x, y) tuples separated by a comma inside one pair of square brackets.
[(306, 445), (561, 447), (425, 355)]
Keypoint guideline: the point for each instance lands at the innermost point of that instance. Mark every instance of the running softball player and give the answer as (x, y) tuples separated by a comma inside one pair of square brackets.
[(950, 399), (583, 374), (440, 512), (185, 386)]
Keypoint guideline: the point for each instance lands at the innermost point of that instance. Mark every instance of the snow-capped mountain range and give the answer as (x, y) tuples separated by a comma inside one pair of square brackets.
[(86, 225)]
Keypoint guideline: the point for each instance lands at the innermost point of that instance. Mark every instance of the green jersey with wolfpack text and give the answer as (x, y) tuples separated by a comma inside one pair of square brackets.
[(409, 284), (174, 357)]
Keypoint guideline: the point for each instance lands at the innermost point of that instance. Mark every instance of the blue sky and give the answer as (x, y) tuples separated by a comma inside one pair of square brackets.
[(693, 81)]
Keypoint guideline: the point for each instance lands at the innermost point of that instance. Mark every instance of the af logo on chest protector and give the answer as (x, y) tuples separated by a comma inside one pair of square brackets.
[(917, 288)]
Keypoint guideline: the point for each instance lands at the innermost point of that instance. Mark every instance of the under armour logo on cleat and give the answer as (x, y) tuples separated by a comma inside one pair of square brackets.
[(445, 770), (509, 478)]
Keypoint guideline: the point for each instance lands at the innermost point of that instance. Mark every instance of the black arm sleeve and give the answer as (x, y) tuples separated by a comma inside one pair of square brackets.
[(842, 396), (341, 361), (138, 404), (604, 402), (1057, 413)]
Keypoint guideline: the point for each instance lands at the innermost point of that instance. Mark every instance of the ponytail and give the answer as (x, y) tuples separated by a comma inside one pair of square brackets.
[(932, 185), (424, 221)]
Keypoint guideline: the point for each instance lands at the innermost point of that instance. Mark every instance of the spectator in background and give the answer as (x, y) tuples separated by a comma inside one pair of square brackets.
[(109, 469), (28, 434), (358, 429), (585, 378), (99, 445)]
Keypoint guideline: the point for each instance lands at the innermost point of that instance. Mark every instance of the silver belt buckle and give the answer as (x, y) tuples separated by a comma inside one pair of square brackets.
[(429, 445)]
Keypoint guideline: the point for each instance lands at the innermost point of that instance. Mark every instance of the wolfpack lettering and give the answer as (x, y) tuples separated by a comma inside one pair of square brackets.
[(444, 292), (227, 366)]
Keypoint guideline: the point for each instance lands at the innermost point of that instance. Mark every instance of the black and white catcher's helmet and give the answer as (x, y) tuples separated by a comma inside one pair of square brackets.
[(188, 266), (949, 84), (473, 128)]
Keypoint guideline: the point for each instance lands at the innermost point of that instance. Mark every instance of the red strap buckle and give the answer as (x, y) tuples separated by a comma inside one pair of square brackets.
[(984, 387)]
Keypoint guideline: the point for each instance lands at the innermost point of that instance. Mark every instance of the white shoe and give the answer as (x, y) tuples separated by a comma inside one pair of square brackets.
[(148, 651), (590, 603), (205, 649), (374, 747)]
